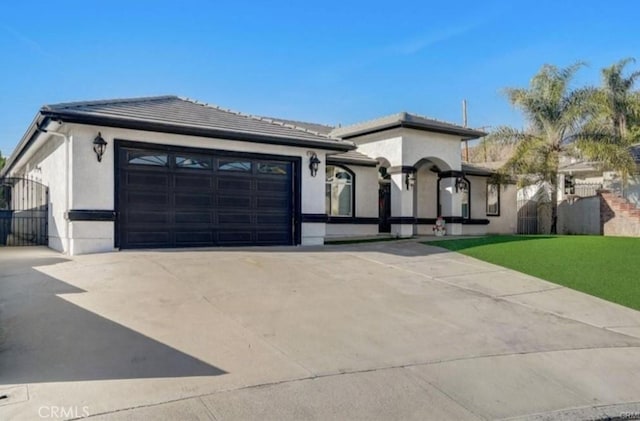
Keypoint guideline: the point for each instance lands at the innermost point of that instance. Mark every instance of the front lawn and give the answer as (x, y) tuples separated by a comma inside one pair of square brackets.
[(607, 267)]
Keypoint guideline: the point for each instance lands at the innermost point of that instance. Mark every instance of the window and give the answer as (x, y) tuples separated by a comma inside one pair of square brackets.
[(339, 191), (234, 165), (147, 158), (193, 162), (493, 199), (272, 168), (465, 192)]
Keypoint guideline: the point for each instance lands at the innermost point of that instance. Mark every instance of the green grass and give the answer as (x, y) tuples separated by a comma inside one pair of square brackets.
[(607, 267)]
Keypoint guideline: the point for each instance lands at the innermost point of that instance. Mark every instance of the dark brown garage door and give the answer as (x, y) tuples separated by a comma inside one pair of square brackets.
[(170, 198)]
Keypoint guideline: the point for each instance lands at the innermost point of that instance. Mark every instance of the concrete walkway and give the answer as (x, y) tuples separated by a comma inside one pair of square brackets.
[(392, 330)]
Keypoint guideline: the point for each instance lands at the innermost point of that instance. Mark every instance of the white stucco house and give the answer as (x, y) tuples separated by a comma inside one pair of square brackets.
[(172, 172)]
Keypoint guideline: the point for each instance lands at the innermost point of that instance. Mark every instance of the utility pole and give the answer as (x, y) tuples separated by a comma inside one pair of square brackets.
[(464, 124)]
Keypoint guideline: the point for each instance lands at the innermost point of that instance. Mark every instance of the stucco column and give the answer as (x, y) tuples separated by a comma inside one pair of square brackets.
[(314, 214), (402, 196)]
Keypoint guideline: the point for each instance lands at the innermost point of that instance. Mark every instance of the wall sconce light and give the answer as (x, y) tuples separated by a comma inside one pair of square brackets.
[(461, 184), (99, 146), (409, 179), (313, 163)]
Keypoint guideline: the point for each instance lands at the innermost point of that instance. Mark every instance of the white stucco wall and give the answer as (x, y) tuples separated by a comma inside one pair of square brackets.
[(351, 230), (91, 185), (507, 222), (418, 145), (387, 144), (427, 193), (478, 197), (366, 191)]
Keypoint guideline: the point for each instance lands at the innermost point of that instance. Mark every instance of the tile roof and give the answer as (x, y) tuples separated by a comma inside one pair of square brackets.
[(473, 169), (404, 119), (352, 157), (181, 112), (314, 127)]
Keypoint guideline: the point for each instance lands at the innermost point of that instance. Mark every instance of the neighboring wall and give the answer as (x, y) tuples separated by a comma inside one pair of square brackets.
[(632, 192), (580, 217)]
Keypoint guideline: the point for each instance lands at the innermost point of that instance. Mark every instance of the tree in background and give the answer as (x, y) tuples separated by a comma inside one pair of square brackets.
[(614, 122), (555, 114), (3, 160)]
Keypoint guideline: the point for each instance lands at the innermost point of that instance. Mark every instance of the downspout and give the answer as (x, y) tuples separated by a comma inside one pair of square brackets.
[(67, 179)]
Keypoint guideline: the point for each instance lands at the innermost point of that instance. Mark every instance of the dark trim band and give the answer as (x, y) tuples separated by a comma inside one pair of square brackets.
[(90, 215), (313, 217), (404, 169), (356, 220), (451, 174), (402, 220), (346, 161), (454, 220)]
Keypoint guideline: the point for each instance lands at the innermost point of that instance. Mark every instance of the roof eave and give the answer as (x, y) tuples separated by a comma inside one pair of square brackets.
[(465, 134), (164, 127), (27, 139), (363, 163)]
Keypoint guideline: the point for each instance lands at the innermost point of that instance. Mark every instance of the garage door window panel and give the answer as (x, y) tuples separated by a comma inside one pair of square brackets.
[(234, 165), (147, 158), (194, 162), (273, 168)]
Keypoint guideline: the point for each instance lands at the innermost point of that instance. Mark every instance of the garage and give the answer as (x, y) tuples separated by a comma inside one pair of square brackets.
[(181, 197)]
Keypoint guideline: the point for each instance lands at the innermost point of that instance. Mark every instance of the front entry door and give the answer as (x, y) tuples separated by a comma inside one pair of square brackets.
[(384, 207)]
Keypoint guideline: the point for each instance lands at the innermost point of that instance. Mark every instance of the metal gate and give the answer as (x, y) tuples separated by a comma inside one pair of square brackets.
[(23, 212), (527, 216)]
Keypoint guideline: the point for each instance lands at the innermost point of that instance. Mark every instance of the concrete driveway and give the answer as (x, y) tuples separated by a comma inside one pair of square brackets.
[(394, 330)]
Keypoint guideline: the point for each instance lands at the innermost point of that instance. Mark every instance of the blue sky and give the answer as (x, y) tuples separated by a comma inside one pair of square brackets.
[(333, 62)]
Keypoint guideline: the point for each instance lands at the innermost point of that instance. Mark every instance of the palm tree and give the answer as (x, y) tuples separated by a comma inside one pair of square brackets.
[(555, 115), (614, 124)]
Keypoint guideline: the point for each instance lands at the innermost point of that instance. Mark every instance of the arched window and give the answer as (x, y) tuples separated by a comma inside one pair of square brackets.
[(339, 191), (465, 189)]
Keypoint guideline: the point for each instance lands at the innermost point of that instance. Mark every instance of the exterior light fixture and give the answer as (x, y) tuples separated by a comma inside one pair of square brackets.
[(409, 179), (313, 163), (99, 146), (461, 184)]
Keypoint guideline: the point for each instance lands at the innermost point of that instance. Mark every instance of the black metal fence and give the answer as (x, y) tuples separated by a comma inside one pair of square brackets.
[(23, 212)]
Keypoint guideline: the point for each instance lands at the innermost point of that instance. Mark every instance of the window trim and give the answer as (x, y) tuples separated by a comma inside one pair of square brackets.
[(438, 198), (487, 199), (468, 194), (353, 193)]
